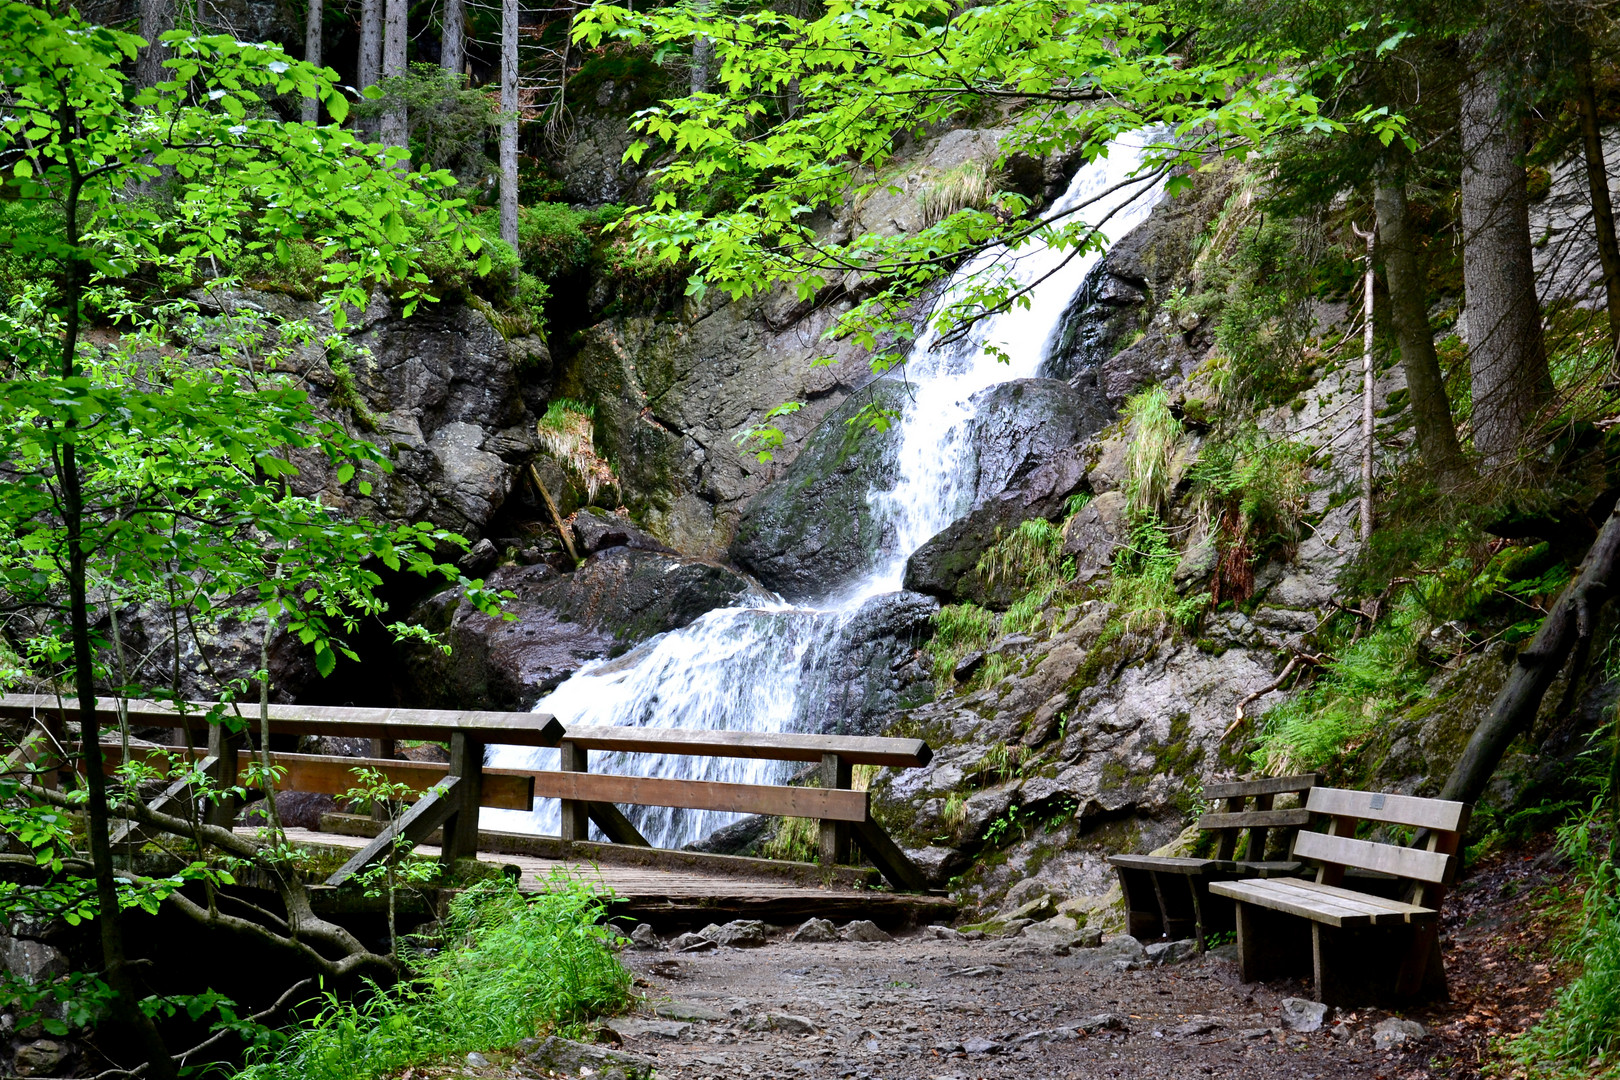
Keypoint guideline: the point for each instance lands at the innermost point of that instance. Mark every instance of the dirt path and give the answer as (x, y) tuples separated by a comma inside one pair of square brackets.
[(924, 1007)]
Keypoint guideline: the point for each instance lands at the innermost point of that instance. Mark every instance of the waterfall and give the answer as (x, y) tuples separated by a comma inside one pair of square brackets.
[(751, 669)]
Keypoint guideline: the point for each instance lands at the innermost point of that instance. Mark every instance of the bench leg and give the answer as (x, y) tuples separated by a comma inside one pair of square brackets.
[(1270, 943), (1178, 900), (1143, 920), (1361, 966), (1423, 970)]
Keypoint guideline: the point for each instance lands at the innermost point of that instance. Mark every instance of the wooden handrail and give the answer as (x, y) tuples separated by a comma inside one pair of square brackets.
[(326, 774), (427, 725), (769, 799), (855, 749)]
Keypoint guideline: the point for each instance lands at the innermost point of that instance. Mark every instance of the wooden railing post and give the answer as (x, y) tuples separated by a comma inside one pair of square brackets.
[(223, 748), (836, 772), (461, 827), (575, 814), (382, 748)]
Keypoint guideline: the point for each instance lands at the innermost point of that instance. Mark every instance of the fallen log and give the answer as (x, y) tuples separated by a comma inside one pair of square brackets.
[(1568, 629)]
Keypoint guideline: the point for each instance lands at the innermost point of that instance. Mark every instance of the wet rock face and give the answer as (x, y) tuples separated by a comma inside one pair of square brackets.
[(619, 596), (875, 669), (813, 530), (1028, 436)]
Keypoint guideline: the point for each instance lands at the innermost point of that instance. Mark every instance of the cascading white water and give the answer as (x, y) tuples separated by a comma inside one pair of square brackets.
[(743, 669)]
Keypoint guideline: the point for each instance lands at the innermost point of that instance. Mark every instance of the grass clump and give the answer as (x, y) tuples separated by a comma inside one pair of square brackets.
[(968, 186), (1372, 678), (1580, 1035), (567, 431), (511, 965), (796, 839), (959, 629), (1155, 432)]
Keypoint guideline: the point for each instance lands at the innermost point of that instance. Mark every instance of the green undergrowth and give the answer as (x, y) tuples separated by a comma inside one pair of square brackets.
[(1371, 678), (508, 965), (1579, 1036)]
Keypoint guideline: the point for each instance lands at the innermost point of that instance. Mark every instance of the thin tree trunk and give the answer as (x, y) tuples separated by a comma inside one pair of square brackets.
[(1408, 309), (1367, 281), (369, 68), (156, 17), (312, 52), (1507, 357), (395, 30), (1597, 184), (1568, 626), (509, 121), (702, 54), (453, 43), (109, 918)]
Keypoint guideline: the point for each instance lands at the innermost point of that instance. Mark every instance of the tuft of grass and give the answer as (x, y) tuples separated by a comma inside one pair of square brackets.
[(959, 629), (1580, 1035), (1142, 586), (1154, 434), (969, 186), (1372, 678), (567, 431), (796, 839), (1027, 556), (511, 964)]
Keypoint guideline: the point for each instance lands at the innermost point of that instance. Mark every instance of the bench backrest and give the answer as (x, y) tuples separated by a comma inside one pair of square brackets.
[(1233, 817), (1428, 868)]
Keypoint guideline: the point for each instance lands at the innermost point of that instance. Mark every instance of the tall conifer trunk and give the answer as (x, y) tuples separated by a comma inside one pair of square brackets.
[(1506, 355), (453, 42), (1597, 185), (311, 112), (1409, 316), (369, 65), (156, 17), (393, 131), (509, 121)]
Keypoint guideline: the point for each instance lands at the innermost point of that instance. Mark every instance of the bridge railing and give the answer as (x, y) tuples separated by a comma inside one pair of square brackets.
[(451, 794)]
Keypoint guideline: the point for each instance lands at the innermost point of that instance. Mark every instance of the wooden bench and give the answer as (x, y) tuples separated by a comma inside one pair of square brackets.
[(1360, 946), (1167, 896)]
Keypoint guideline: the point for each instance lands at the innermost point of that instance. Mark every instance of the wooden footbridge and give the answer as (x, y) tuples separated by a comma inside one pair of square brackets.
[(651, 883)]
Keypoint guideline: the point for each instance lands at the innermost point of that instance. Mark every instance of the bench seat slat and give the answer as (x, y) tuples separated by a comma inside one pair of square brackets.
[(1413, 863), (1437, 814), (1381, 903), (1245, 819), (1317, 909), (1323, 903)]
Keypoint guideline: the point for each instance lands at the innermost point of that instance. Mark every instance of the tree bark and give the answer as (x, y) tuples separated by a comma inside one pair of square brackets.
[(1568, 628), (1597, 184), (453, 42), (156, 17), (702, 55), (1507, 357), (1409, 314), (393, 131), (369, 67), (311, 113), (509, 121)]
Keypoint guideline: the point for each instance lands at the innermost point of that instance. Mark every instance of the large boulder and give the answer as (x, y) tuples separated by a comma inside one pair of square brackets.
[(619, 596), (873, 668), (1028, 435), (814, 529)]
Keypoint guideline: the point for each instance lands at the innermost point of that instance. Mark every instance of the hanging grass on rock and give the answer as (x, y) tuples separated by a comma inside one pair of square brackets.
[(509, 965)]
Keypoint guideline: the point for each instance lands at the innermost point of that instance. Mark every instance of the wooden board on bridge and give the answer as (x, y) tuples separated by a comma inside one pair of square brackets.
[(698, 893)]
